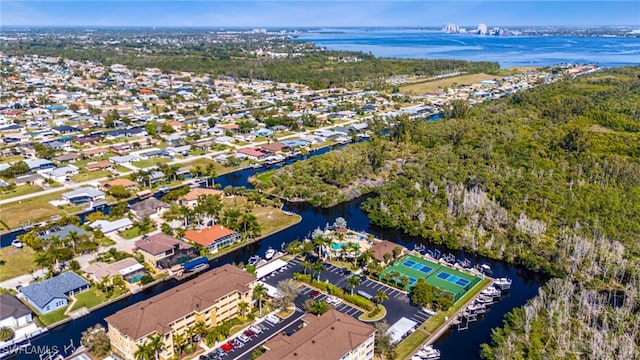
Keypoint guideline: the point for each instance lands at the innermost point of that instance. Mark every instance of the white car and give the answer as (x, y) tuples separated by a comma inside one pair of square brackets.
[(272, 319), (244, 338), (332, 300), (255, 329)]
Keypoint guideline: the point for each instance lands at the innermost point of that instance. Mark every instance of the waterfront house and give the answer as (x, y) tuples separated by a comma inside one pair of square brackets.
[(213, 238), (163, 251), (83, 195), (54, 293), (128, 268), (61, 232), (13, 313), (151, 207), (332, 335), (190, 199), (252, 153), (125, 183), (211, 298), (108, 227)]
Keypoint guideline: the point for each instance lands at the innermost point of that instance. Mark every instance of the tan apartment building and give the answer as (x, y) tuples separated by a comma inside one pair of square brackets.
[(330, 336), (210, 298)]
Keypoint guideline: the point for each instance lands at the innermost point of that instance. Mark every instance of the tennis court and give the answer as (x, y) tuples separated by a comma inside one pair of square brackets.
[(454, 281)]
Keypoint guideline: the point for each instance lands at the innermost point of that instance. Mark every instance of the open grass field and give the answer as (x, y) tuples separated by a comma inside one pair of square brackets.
[(430, 86), (269, 218), (53, 317), (89, 299), (16, 262), (33, 209), (204, 162), (454, 281), (19, 191), (143, 164), (92, 175)]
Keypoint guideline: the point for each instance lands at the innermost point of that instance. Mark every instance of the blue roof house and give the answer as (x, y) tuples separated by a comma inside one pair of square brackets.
[(53, 293)]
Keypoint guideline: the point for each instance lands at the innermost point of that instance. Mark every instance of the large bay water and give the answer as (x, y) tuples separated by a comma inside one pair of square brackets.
[(508, 51)]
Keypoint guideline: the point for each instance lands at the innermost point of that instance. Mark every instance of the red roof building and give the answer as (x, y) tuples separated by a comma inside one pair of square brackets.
[(213, 237)]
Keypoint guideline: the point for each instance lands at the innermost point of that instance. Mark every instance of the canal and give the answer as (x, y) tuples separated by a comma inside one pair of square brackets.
[(454, 344)]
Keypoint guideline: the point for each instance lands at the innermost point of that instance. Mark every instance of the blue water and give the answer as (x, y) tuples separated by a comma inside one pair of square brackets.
[(508, 51)]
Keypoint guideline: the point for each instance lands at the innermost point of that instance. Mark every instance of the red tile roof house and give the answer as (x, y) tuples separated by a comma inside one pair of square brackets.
[(253, 153), (213, 238)]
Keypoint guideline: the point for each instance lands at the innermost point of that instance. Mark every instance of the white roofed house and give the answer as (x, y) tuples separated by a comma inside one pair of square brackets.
[(129, 268), (83, 195), (60, 174), (108, 227)]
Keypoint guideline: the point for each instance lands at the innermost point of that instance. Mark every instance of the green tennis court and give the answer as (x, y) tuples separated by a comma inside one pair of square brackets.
[(454, 281)]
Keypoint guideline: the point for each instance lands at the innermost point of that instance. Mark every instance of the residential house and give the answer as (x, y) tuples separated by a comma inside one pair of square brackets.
[(39, 164), (98, 165), (95, 152), (30, 179), (128, 268), (53, 293), (61, 232), (64, 130), (273, 148), (252, 153), (71, 156), (13, 313), (125, 159), (163, 251), (62, 173), (126, 183), (108, 227), (213, 238), (83, 195), (151, 207), (211, 298), (190, 199), (121, 149), (332, 335)]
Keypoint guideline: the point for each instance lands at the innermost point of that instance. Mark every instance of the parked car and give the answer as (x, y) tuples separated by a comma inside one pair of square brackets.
[(272, 319), (314, 294), (227, 348), (244, 338), (255, 329), (249, 333), (263, 326)]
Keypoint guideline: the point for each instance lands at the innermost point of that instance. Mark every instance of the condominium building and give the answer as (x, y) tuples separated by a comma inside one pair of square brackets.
[(210, 298), (331, 336)]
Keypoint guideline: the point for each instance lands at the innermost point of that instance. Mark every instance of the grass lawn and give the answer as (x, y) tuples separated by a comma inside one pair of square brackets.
[(92, 175), (130, 233), (122, 169), (269, 218), (19, 191), (10, 159), (17, 262), (53, 317), (33, 209), (455, 81), (90, 298), (266, 176), (379, 316), (204, 162), (105, 241), (142, 164)]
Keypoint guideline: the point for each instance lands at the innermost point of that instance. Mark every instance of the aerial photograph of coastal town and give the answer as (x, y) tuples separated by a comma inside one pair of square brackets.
[(331, 180)]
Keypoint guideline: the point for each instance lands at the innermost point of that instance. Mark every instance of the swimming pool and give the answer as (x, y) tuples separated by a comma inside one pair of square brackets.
[(136, 278), (338, 246)]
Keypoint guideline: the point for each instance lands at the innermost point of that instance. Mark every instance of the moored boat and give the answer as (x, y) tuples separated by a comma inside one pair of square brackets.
[(269, 254)]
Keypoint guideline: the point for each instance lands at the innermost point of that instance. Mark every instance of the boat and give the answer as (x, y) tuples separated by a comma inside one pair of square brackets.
[(502, 283), (144, 194), (491, 291), (288, 213), (255, 166), (269, 254), (253, 261), (485, 269), (163, 189), (274, 159), (476, 307), (428, 352), (17, 244)]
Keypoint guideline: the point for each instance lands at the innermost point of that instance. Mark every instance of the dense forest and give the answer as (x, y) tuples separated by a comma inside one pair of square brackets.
[(316, 68), (548, 179)]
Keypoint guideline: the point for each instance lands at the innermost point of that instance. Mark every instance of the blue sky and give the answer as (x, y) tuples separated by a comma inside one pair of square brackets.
[(240, 13)]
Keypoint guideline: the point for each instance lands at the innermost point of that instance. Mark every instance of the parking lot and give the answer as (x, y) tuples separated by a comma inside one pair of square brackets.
[(398, 305), (268, 330)]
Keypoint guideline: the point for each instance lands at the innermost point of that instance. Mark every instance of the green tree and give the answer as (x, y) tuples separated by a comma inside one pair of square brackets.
[(352, 283), (260, 293), (95, 339), (380, 297)]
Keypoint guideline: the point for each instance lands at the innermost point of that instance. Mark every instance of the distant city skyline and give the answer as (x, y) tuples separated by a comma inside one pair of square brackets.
[(240, 13)]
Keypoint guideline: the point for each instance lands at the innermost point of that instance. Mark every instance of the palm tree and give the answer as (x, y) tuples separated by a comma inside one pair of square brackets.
[(307, 265), (404, 280), (353, 282), (318, 267), (191, 331), (211, 173), (143, 352), (156, 345), (380, 297), (178, 341), (200, 329), (243, 307), (260, 293), (42, 259)]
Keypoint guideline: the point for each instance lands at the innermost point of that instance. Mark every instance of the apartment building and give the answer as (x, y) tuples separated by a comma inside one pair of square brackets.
[(210, 298)]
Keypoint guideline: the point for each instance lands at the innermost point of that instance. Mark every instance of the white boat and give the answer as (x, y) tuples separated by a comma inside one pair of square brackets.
[(253, 260), (427, 352), (269, 254), (502, 283), (17, 244), (486, 269), (491, 291)]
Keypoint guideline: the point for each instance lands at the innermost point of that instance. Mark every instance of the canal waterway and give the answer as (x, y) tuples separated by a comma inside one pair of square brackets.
[(454, 344)]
